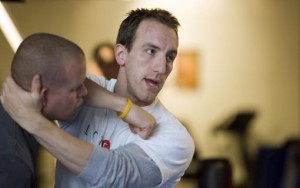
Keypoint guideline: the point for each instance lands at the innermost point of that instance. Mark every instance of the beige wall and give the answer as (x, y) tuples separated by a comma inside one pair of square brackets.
[(249, 59), (6, 54)]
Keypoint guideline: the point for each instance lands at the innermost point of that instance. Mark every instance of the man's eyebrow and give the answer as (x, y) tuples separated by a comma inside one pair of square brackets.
[(173, 51), (148, 44)]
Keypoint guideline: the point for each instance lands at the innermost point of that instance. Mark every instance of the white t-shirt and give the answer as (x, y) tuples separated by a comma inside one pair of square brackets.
[(170, 146)]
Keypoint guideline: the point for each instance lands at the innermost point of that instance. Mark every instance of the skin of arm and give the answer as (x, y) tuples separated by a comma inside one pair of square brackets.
[(25, 108)]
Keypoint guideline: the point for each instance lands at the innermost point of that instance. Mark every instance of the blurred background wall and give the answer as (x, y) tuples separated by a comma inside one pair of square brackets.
[(248, 60)]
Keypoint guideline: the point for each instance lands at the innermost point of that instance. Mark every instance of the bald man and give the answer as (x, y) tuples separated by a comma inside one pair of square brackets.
[(58, 66)]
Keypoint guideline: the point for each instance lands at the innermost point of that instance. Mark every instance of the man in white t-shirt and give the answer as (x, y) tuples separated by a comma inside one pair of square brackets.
[(146, 47)]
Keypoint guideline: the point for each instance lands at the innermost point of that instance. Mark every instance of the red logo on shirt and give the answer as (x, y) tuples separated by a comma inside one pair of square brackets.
[(105, 144)]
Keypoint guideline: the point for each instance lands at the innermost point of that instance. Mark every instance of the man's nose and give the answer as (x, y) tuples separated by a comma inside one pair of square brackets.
[(160, 66)]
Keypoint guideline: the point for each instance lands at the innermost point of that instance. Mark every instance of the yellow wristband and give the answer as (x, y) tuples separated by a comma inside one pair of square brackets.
[(126, 109)]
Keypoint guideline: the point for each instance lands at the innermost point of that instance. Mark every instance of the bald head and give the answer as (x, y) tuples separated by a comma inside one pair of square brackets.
[(46, 55)]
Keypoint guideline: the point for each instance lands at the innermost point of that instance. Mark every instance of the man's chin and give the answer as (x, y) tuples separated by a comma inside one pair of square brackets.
[(69, 117), (72, 116)]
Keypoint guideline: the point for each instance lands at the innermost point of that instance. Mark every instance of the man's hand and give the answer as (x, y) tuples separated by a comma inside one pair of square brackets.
[(140, 121), (25, 108), (20, 104)]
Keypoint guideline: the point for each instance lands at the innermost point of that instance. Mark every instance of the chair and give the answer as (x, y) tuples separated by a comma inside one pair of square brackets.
[(211, 173)]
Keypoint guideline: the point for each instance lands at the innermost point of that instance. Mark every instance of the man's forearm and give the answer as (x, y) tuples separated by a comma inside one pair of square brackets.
[(70, 151), (140, 121), (100, 97)]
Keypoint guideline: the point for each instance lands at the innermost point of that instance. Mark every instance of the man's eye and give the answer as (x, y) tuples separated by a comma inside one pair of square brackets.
[(170, 58), (150, 51), (76, 89)]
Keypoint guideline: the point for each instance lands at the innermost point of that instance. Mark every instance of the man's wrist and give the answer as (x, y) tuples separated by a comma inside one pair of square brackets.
[(125, 111), (34, 123), (119, 104)]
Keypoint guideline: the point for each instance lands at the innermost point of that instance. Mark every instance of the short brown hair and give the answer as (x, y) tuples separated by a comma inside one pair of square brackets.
[(44, 54), (128, 27)]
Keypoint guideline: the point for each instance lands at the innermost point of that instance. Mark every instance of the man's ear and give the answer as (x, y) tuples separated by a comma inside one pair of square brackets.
[(120, 54), (44, 96)]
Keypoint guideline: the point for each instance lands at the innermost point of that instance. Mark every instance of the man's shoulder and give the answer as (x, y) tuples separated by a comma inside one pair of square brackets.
[(163, 115), (100, 80), (10, 133), (4, 117), (15, 172)]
